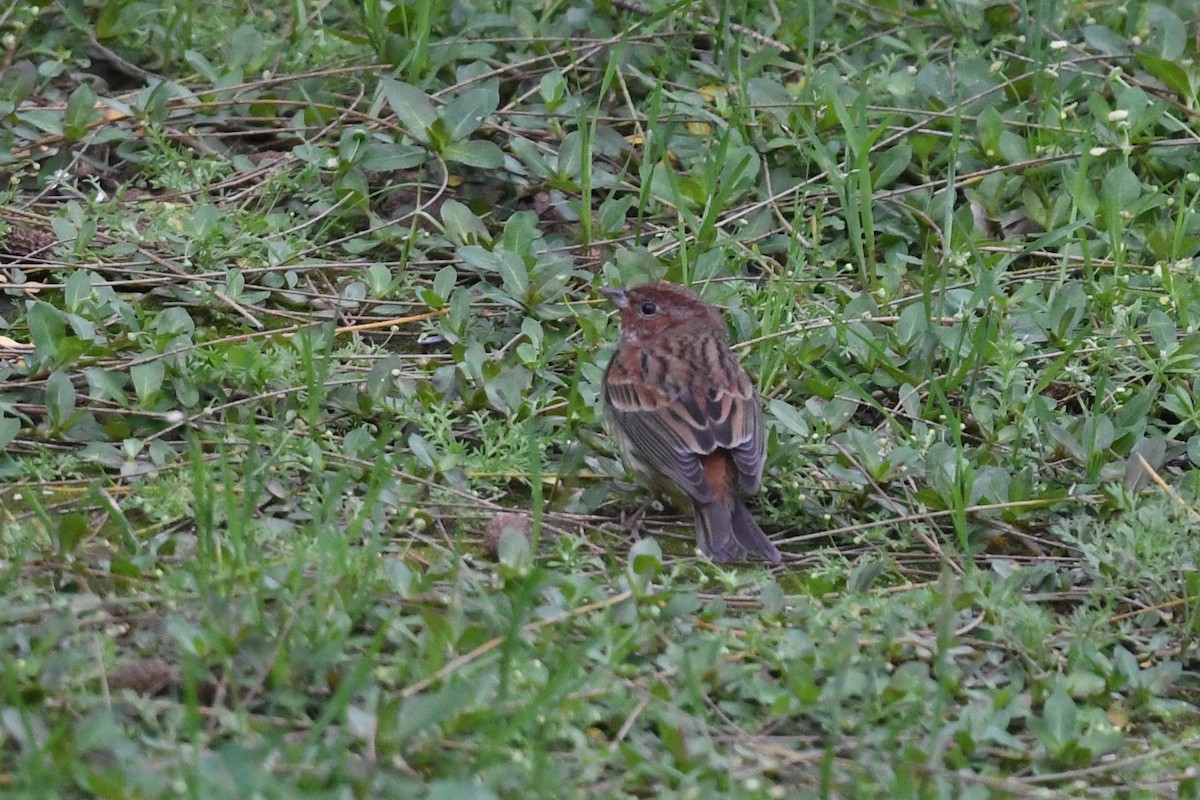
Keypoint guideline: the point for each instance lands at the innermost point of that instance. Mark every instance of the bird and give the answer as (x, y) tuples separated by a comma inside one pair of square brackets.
[(686, 415)]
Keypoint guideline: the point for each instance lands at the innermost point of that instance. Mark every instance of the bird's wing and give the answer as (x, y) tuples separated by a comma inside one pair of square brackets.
[(731, 412), (670, 426)]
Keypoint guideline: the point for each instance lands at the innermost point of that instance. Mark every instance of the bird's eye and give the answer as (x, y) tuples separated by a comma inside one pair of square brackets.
[(649, 309)]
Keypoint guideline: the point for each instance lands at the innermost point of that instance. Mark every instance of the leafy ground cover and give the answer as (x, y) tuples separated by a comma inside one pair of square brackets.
[(305, 491)]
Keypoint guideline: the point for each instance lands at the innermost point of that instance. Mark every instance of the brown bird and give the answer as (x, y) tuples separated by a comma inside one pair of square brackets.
[(686, 416)]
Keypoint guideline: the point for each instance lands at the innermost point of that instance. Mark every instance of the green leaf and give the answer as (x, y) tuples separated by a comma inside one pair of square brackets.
[(46, 329), (17, 81), (9, 428), (148, 380), (1162, 332), (72, 529), (1060, 719), (520, 233), (459, 789), (1084, 683), (385, 157), (43, 119), (570, 156), (789, 417), (1168, 33), (379, 278), (412, 107), (645, 558), (479, 259), (175, 321), (1169, 72), (353, 188), (552, 88), (506, 391), (81, 111), (863, 576), (106, 384), (988, 127), (353, 144), (514, 275), (199, 62), (514, 550), (530, 156), (462, 226), (613, 213), (444, 282), (771, 97), (60, 400), (420, 713), (421, 450), (1120, 188), (478, 153), (739, 172), (913, 323), (465, 114), (78, 288), (1001, 16), (246, 47), (1126, 666), (1013, 148), (1105, 41), (892, 164)]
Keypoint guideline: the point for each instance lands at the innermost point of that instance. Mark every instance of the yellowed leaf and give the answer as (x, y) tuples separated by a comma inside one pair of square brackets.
[(13, 344)]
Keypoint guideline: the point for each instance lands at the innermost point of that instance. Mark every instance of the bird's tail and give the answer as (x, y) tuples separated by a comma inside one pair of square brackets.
[(730, 533)]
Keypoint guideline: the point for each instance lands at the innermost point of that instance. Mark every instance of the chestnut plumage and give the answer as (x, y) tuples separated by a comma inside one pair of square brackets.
[(686, 415)]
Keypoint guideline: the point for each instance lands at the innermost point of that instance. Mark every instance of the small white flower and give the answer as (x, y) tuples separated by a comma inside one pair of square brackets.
[(1096, 152), (1058, 44), (1118, 115)]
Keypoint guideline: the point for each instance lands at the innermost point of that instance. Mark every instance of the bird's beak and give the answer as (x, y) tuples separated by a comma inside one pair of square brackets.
[(618, 297)]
